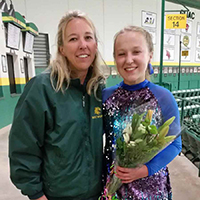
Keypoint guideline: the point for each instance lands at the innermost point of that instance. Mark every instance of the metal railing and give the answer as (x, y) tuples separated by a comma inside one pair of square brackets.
[(190, 118)]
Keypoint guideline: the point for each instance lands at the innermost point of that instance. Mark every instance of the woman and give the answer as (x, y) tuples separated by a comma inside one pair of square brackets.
[(133, 51), (55, 148)]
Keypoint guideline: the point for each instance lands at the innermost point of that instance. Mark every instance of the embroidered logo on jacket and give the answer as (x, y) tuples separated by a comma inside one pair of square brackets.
[(97, 112)]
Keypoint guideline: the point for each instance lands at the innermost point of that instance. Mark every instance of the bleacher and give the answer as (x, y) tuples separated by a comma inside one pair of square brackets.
[(189, 107)]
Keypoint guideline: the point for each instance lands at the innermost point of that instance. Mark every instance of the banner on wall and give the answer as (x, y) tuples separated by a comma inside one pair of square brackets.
[(168, 31), (149, 23), (175, 21), (13, 36), (148, 19), (169, 39), (168, 54), (185, 56), (188, 29), (186, 41)]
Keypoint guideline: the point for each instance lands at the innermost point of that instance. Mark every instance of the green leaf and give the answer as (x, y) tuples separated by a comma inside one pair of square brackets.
[(167, 123), (152, 129), (136, 120), (163, 132)]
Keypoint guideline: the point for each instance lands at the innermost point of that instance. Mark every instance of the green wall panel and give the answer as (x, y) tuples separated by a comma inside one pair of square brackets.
[(187, 80), (7, 105), (113, 80), (8, 101), (39, 70), (155, 78), (1, 92)]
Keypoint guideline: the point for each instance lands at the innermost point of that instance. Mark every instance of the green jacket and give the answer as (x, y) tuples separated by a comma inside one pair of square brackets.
[(55, 143)]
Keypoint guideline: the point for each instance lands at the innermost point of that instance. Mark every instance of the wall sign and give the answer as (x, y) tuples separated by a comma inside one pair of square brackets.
[(177, 21), (156, 70), (188, 28), (188, 13), (185, 57), (13, 36), (186, 41), (185, 53), (183, 70), (168, 54), (165, 70), (170, 70), (169, 39), (148, 19)]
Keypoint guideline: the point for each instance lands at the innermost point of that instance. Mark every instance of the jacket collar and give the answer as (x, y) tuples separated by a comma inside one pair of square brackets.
[(77, 83)]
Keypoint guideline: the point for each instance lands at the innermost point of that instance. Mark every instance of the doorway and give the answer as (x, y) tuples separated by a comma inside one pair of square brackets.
[(11, 74)]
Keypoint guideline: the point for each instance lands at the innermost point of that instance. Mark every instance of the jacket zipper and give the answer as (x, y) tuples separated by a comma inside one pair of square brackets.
[(87, 146), (83, 101)]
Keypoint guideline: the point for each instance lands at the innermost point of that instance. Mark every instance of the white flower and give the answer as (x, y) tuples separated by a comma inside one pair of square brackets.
[(126, 137), (142, 128), (132, 143), (138, 140), (128, 129), (127, 132)]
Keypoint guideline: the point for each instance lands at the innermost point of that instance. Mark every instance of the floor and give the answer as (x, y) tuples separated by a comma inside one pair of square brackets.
[(184, 175)]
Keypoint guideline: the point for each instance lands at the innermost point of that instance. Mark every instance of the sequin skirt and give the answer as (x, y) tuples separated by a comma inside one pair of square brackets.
[(155, 187)]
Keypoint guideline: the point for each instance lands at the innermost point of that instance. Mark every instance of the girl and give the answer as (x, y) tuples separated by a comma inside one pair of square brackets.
[(133, 51)]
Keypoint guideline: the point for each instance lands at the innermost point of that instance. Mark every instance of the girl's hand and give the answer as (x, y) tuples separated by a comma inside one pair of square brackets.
[(42, 198), (128, 175)]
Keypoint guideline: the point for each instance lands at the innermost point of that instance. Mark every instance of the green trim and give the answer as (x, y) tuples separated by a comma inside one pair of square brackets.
[(189, 3), (176, 64), (111, 63), (1, 91), (18, 20), (32, 28), (19, 89), (5, 81), (162, 39)]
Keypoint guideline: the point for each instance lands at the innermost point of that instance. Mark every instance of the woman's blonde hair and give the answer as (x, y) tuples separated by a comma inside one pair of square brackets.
[(59, 67), (146, 35)]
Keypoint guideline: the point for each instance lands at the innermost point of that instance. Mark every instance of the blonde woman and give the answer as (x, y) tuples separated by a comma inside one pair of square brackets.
[(55, 143)]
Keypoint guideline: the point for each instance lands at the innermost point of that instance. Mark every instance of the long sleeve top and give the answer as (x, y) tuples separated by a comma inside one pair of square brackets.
[(121, 99)]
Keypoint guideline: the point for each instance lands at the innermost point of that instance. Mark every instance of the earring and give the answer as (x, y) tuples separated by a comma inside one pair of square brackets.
[(150, 68)]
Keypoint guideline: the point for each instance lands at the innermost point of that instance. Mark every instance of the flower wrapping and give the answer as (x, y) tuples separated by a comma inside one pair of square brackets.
[(138, 143)]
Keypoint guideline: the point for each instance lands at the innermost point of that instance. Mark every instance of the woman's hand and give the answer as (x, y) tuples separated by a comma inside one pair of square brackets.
[(128, 175)]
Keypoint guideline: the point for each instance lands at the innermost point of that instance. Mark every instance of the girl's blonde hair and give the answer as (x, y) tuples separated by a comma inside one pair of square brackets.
[(60, 68), (146, 35)]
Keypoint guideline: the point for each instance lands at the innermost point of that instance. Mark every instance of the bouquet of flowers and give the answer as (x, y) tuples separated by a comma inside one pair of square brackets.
[(140, 141)]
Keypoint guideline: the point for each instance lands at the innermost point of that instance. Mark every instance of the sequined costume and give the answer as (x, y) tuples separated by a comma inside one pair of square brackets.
[(119, 103)]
